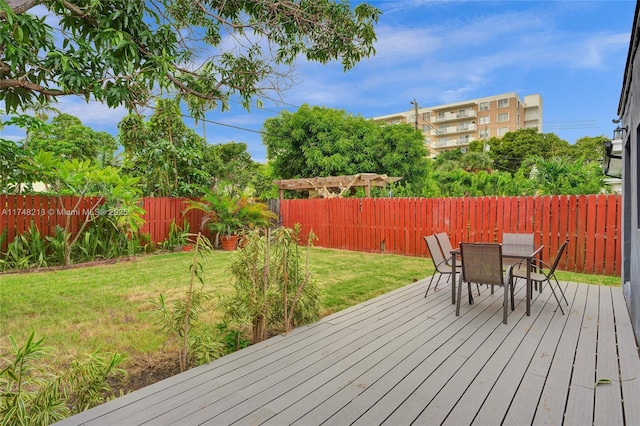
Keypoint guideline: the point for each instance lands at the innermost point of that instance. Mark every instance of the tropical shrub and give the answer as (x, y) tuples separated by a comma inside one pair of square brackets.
[(229, 211), (200, 343), (273, 288), (32, 395)]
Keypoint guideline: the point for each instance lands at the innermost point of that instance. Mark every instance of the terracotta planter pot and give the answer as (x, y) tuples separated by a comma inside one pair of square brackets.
[(229, 242)]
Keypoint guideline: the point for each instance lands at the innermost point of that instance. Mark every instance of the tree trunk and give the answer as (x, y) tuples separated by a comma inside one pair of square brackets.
[(259, 328)]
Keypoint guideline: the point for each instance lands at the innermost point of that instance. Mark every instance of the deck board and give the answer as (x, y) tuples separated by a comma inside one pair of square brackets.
[(609, 409), (401, 358), (552, 401)]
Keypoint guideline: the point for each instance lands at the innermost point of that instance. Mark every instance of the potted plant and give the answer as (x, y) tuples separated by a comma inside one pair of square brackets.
[(228, 212)]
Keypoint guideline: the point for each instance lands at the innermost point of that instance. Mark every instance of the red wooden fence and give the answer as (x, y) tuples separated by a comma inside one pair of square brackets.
[(396, 225), (391, 225), (17, 212)]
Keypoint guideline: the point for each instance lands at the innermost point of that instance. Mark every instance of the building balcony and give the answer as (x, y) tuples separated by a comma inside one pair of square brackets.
[(454, 130), (453, 116)]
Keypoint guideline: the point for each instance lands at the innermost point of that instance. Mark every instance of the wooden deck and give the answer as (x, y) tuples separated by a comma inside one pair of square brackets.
[(402, 358)]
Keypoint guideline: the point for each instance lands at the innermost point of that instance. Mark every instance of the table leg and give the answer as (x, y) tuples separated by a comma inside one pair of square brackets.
[(453, 279), (529, 287)]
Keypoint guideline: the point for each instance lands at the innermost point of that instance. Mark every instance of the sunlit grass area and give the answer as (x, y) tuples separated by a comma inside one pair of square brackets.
[(111, 307)]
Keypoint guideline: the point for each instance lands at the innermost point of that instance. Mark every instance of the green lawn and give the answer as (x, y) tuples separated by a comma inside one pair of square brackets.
[(110, 306)]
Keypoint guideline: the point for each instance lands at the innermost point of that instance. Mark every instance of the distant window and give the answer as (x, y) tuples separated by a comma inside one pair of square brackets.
[(425, 128), (504, 117), (483, 106), (462, 113), (484, 133), (503, 131), (462, 127), (484, 119), (518, 118), (503, 103), (463, 139), (441, 115), (426, 116)]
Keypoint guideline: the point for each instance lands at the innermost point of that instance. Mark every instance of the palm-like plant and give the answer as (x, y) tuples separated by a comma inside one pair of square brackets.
[(229, 211)]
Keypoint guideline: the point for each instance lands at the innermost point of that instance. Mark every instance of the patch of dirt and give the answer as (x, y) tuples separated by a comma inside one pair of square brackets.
[(147, 371), (74, 266)]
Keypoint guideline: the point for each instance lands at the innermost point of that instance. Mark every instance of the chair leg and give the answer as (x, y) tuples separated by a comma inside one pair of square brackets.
[(556, 296), (560, 287), (504, 304), (430, 282), (512, 284)]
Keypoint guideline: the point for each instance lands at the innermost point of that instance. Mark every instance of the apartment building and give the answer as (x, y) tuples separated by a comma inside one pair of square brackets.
[(457, 124)]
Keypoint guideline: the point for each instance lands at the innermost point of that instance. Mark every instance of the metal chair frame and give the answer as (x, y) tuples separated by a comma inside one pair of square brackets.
[(482, 264), (539, 276), (445, 246), (439, 261)]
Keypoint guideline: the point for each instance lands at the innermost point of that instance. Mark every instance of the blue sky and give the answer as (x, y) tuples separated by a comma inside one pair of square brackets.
[(572, 53)]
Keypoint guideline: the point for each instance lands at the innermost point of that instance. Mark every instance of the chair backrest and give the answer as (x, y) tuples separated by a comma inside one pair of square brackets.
[(558, 256), (524, 239), (482, 263), (445, 244), (434, 250)]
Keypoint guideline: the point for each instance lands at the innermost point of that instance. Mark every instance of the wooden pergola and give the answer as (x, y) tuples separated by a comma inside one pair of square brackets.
[(335, 186)]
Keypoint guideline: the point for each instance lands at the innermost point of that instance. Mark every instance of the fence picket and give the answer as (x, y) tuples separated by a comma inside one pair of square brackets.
[(611, 231)]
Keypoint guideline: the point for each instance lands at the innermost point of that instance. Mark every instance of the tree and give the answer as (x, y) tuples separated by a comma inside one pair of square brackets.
[(559, 176), (123, 52), (318, 141), (589, 148), (474, 161), (230, 163), (12, 177), (117, 194), (66, 137), (509, 152), (166, 154)]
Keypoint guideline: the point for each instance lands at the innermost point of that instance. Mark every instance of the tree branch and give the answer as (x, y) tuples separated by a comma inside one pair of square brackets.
[(20, 6), (14, 83)]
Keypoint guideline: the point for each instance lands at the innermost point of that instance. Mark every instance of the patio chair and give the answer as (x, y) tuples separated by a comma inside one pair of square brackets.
[(539, 276), (515, 238), (439, 261), (509, 238), (482, 264), (445, 246)]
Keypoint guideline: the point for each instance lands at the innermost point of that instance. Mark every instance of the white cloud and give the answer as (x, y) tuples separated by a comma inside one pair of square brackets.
[(91, 113)]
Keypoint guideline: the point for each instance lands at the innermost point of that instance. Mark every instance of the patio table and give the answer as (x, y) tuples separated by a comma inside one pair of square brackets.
[(520, 252)]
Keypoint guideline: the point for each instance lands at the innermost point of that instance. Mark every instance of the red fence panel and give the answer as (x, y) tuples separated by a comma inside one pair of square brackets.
[(397, 225), (393, 225)]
